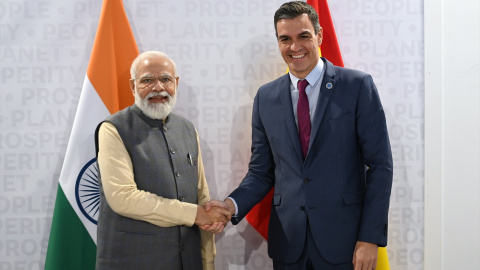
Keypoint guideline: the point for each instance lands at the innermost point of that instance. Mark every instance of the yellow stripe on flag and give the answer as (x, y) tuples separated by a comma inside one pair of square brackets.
[(382, 259)]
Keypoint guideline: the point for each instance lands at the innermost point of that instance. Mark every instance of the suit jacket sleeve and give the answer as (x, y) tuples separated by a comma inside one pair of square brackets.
[(376, 154), (260, 177)]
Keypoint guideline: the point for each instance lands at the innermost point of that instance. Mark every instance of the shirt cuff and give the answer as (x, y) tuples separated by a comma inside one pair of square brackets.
[(236, 206), (190, 213)]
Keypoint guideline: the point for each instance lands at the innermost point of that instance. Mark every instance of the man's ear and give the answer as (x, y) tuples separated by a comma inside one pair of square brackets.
[(320, 36), (132, 86)]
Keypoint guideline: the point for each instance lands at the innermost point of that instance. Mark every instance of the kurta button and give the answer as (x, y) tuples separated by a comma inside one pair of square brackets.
[(302, 208), (177, 174), (172, 151), (181, 198), (165, 129)]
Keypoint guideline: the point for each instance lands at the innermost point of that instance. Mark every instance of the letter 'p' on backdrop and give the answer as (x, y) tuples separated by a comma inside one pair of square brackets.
[(224, 51)]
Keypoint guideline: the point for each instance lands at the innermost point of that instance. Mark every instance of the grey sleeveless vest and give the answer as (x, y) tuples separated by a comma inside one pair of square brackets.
[(164, 157)]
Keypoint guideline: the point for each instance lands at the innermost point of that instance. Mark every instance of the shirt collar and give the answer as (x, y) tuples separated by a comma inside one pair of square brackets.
[(312, 77)]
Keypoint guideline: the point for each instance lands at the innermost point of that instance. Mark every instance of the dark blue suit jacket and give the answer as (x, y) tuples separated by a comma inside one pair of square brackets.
[(343, 187)]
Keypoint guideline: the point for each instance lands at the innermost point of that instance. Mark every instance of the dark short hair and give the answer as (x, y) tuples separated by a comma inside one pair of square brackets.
[(291, 10)]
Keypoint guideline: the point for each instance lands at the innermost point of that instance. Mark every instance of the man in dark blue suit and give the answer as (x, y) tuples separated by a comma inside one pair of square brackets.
[(332, 175)]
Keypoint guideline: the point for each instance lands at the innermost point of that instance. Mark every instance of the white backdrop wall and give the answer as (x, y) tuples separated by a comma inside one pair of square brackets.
[(452, 132), (224, 51)]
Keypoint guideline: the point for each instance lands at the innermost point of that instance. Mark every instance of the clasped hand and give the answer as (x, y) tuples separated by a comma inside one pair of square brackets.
[(213, 216)]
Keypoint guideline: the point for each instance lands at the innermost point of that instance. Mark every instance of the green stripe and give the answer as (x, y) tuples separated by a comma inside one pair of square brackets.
[(70, 245)]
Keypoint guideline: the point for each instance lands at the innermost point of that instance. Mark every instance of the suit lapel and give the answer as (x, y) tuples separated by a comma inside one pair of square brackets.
[(286, 100), (327, 87)]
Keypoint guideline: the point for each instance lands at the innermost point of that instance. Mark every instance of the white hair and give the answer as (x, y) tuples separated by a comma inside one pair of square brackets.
[(147, 54)]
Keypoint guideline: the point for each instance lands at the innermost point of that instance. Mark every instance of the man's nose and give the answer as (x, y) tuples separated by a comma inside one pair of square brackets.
[(157, 85), (295, 45)]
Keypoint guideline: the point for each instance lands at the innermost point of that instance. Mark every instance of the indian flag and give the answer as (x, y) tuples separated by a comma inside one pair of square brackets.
[(259, 216), (73, 235)]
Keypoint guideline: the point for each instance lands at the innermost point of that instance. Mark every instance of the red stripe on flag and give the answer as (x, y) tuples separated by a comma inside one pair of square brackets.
[(259, 216), (329, 47)]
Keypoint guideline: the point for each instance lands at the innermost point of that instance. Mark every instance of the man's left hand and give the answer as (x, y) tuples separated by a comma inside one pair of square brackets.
[(215, 228), (365, 256)]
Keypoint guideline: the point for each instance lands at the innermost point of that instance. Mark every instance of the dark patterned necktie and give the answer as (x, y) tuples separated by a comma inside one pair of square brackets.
[(303, 117)]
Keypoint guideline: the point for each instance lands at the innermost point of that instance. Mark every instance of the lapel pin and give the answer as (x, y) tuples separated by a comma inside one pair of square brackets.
[(329, 85)]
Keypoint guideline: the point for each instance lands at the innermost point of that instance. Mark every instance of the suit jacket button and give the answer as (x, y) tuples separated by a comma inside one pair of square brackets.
[(177, 174), (181, 198), (302, 208), (306, 180)]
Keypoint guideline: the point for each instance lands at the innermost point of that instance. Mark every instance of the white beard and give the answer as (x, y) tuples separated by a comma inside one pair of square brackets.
[(156, 110)]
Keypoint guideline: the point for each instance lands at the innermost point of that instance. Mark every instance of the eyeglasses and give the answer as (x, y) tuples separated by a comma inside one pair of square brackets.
[(148, 81)]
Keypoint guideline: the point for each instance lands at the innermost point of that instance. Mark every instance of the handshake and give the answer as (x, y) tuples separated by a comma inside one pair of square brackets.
[(214, 215)]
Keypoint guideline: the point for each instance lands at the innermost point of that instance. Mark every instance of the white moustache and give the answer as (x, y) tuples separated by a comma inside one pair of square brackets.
[(162, 94)]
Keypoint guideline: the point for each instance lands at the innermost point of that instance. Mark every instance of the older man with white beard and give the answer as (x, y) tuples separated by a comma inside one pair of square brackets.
[(152, 184)]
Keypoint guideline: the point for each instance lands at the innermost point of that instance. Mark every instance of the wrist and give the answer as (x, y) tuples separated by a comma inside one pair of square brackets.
[(198, 217), (230, 206)]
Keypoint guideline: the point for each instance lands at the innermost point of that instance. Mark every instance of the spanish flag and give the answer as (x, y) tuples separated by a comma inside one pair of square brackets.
[(259, 216), (73, 235)]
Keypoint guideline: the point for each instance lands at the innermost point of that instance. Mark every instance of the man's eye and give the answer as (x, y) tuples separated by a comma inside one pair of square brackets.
[(146, 80), (166, 79)]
